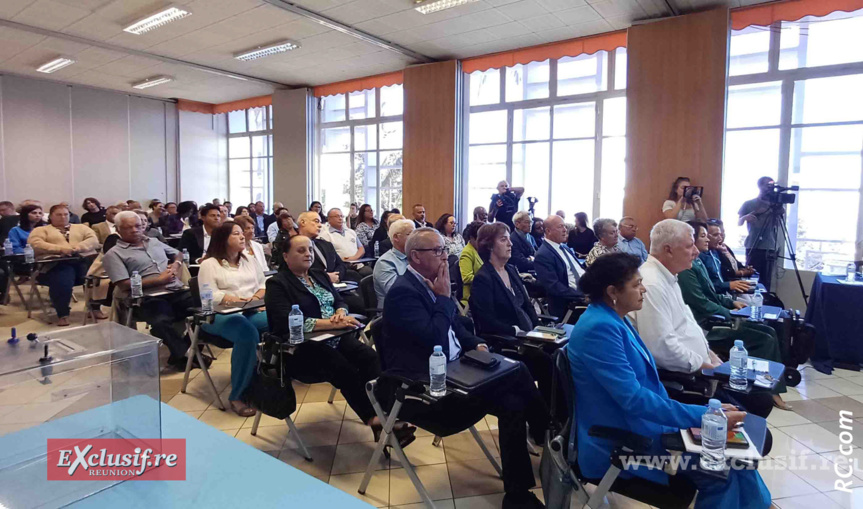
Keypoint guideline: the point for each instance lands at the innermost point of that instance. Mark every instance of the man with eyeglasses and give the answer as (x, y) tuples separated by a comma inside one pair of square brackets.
[(628, 242), (345, 240), (419, 314)]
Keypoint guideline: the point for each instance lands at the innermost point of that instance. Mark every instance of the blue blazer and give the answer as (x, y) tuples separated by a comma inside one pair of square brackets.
[(521, 250), (616, 384), (551, 275)]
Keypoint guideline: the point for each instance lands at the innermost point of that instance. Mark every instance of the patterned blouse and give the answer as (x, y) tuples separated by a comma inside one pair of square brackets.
[(365, 232), (454, 244), (599, 250), (325, 299)]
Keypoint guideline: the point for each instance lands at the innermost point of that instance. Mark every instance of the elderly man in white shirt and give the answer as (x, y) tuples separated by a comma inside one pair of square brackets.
[(666, 324), (348, 246)]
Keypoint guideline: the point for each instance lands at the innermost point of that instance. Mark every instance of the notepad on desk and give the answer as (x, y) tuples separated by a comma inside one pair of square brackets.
[(758, 365), (340, 285), (543, 336)]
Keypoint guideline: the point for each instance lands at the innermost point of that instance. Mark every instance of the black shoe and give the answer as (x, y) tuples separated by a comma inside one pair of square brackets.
[(521, 500), (180, 364)]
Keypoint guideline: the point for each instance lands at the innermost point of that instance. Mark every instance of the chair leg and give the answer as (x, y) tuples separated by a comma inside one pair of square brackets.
[(193, 336), (436, 441), (531, 449), (206, 372), (597, 499), (332, 395), (296, 433), (485, 450), (258, 416)]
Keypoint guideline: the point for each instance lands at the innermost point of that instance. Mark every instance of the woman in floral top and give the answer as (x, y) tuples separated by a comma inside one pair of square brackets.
[(452, 240), (366, 226), (341, 360)]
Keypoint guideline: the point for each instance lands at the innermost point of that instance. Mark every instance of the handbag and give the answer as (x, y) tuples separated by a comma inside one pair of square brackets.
[(556, 484), (271, 390)]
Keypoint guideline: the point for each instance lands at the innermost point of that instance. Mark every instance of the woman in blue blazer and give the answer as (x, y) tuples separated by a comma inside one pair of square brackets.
[(616, 384)]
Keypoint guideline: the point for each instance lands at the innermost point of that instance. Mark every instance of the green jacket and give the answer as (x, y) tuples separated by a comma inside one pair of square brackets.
[(699, 294), (469, 263)]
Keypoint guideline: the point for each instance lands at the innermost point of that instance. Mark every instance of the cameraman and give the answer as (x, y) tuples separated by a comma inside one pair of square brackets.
[(505, 203), (761, 242)]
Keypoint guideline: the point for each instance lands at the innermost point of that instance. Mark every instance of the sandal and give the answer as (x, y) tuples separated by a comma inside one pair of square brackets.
[(780, 404), (242, 409), (404, 433)]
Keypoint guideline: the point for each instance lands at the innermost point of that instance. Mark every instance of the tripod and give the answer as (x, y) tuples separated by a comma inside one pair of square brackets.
[(776, 220)]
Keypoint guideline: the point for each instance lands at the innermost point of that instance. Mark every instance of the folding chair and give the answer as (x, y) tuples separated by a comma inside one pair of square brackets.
[(90, 284)]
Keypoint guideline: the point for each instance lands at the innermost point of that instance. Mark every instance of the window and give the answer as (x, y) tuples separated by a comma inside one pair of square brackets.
[(795, 113), (360, 149), (556, 128), (250, 155)]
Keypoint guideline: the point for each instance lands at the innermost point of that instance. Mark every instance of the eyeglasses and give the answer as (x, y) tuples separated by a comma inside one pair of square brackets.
[(437, 251)]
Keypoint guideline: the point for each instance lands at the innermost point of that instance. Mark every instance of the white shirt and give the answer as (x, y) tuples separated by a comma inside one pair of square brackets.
[(260, 257), (273, 231), (665, 323), (567, 257), (345, 241), (206, 241), (112, 228), (243, 281), (454, 345)]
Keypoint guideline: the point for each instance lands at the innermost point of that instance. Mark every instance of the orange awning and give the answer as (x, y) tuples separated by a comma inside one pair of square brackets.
[(788, 10), (212, 109), (344, 87)]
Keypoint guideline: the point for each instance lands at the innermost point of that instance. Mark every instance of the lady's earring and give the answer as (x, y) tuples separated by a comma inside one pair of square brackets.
[(614, 302)]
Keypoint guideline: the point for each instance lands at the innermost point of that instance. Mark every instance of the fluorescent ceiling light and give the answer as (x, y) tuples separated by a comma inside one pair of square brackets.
[(157, 19), (56, 64), (265, 51), (430, 6), (152, 82)]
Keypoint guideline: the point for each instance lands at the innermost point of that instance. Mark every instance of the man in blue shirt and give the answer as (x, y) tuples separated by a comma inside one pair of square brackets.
[(628, 242), (394, 262), (712, 262)]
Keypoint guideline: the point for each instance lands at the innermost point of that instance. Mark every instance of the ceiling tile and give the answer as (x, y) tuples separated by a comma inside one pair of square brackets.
[(98, 56), (61, 46), (560, 5), (190, 43), (573, 31), (130, 66), (320, 5), (578, 15), (95, 28), (90, 5), (498, 3), (50, 14), (9, 8), (655, 8), (541, 23), (615, 8), (511, 29), (522, 9), (358, 11), (375, 27)]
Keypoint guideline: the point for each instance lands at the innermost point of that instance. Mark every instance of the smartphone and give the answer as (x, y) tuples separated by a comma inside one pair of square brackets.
[(735, 439), (690, 191)]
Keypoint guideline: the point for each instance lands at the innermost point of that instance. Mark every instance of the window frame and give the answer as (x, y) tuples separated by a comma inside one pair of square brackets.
[(268, 132)]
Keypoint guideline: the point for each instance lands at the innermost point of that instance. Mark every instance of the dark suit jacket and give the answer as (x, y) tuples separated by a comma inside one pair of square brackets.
[(417, 224), (551, 275), (332, 262), (521, 250), (268, 220), (285, 289), (414, 324), (193, 241), (259, 232), (493, 306), (6, 225)]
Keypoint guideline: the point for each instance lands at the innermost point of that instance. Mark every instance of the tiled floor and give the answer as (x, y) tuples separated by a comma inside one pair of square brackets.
[(801, 470)]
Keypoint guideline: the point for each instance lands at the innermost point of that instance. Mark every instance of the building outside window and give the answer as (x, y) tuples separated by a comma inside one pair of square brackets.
[(250, 155)]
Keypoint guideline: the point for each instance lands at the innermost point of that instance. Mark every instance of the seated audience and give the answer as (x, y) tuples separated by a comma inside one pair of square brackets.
[(94, 214), (606, 231), (419, 314), (287, 229), (158, 265), (230, 207), (452, 239), (504, 203), (133, 205), (10, 221), (345, 241), (387, 243), (469, 261), (172, 224), (223, 212), (157, 210), (699, 294), (73, 218), (106, 227), (215, 201), (242, 210), (680, 207), (666, 323), (616, 385), (394, 262), (343, 361), (731, 267), (537, 231), (419, 217), (569, 226), (480, 214), (273, 228), (149, 230), (523, 244), (366, 225), (354, 216), (235, 280), (317, 208), (628, 242), (30, 217), (581, 238), (7, 208), (260, 217), (382, 233), (59, 238), (712, 258), (327, 260), (196, 240), (188, 212), (557, 270), (253, 249)]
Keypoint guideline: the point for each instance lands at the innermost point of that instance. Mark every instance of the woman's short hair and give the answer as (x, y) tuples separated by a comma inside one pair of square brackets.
[(95, 202), (487, 236), (218, 248), (612, 269), (600, 224), (186, 208), (244, 222), (520, 216), (471, 231), (155, 202), (284, 215), (672, 195), (696, 225), (24, 217), (440, 224), (240, 210), (57, 207)]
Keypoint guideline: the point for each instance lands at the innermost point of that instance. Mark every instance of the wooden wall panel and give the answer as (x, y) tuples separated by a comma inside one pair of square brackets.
[(429, 138), (676, 75)]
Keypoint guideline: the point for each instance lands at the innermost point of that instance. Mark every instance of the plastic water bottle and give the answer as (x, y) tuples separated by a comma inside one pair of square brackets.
[(186, 256), (295, 324), (738, 359), (7, 247), (851, 273), (437, 372), (714, 433), (755, 309), (206, 298), (377, 249), (137, 285), (29, 255)]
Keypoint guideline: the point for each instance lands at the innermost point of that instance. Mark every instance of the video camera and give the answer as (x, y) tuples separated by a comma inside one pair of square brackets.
[(781, 195), (531, 202)]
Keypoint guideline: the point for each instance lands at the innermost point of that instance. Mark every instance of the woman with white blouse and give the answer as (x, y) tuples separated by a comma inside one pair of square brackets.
[(254, 248), (235, 278), (452, 240)]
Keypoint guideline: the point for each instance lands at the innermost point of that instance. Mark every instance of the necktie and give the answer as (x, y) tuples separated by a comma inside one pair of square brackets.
[(569, 259), (531, 241), (320, 256)]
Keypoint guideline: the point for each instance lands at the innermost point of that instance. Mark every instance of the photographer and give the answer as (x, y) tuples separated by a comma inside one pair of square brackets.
[(684, 202), (761, 242), (505, 203)]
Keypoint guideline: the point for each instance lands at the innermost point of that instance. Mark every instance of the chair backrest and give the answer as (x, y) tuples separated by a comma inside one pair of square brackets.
[(562, 391), (194, 290), (455, 277), (376, 327), (367, 291)]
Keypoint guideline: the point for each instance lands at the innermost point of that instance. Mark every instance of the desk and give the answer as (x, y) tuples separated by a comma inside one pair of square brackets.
[(768, 312), (369, 259), (723, 372), (836, 311), (349, 286)]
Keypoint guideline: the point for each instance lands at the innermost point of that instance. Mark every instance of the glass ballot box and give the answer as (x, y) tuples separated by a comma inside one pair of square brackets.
[(97, 381)]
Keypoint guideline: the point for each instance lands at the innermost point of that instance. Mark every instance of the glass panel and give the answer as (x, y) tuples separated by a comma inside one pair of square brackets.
[(572, 177), (392, 100), (835, 99), (487, 167), (613, 177), (366, 178), (362, 104), (240, 180), (530, 170), (337, 139), (620, 68), (365, 137), (257, 119), (391, 135), (488, 127), (749, 49), (820, 236), (575, 120), (333, 108), (614, 117), (238, 147), (259, 146), (812, 41), (335, 177), (758, 104), (270, 116), (532, 124), (527, 81), (391, 180), (259, 172), (582, 74), (485, 87), (237, 121), (826, 157)]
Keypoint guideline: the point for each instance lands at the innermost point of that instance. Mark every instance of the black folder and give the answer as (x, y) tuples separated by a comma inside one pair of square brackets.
[(467, 377)]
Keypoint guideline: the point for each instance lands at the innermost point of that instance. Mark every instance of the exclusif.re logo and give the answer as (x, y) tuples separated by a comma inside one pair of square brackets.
[(117, 459)]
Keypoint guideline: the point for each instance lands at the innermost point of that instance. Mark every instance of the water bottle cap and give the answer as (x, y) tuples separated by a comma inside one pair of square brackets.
[(738, 343), (715, 403), (438, 348), (295, 306)]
